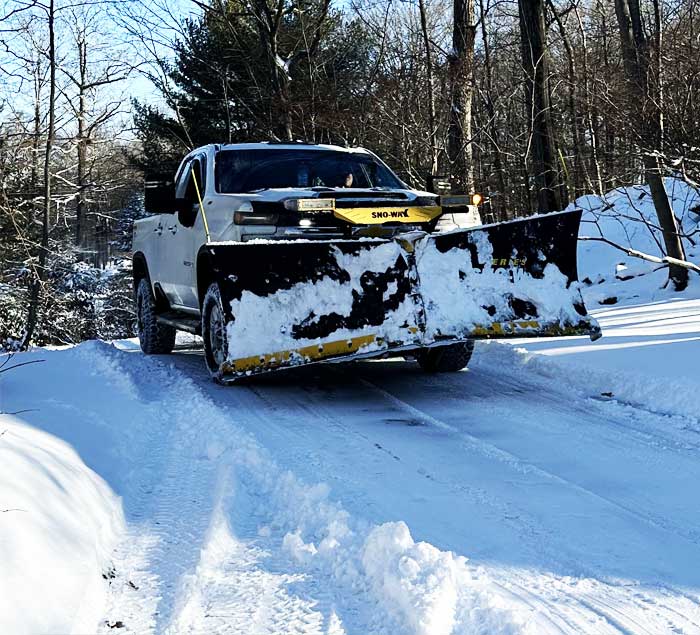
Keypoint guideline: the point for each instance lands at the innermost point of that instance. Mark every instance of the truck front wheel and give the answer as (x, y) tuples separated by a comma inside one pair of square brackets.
[(446, 359), (214, 330), (155, 338)]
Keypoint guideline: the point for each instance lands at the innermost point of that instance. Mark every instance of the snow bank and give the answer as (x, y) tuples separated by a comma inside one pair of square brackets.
[(642, 386), (626, 216), (58, 524), (651, 333)]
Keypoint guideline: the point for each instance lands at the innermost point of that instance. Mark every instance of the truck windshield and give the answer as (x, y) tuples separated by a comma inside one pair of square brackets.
[(239, 171)]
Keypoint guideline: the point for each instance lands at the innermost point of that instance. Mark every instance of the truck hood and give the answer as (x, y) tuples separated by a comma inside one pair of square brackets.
[(346, 196)]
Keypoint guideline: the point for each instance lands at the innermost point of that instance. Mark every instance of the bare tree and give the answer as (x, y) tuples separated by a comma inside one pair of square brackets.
[(491, 127), (36, 287), (89, 74), (645, 92), (461, 69), (549, 192)]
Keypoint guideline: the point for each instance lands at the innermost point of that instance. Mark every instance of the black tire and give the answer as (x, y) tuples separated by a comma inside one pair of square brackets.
[(155, 338), (446, 359), (214, 330)]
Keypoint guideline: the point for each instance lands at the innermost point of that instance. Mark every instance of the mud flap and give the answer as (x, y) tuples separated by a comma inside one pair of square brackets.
[(293, 303)]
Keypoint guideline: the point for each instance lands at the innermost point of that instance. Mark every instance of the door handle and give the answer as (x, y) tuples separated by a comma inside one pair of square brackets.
[(173, 229), (158, 230)]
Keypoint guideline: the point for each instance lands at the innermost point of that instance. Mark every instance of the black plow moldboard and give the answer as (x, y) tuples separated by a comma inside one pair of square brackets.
[(504, 280)]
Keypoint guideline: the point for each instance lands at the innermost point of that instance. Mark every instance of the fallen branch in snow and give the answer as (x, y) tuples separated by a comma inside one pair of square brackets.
[(34, 361), (665, 260)]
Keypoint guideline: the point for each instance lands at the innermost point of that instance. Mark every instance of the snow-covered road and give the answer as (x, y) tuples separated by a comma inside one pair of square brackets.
[(370, 498), (523, 477)]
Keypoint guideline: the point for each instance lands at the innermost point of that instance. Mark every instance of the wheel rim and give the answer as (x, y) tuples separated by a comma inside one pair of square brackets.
[(217, 336)]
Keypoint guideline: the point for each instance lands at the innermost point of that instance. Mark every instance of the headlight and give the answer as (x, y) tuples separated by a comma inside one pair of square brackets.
[(455, 200), (247, 216), (459, 200)]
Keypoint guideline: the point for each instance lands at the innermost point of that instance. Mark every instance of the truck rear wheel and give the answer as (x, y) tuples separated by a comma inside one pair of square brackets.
[(214, 330), (446, 359), (155, 338)]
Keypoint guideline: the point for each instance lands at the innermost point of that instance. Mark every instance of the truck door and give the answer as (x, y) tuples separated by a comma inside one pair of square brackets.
[(182, 236)]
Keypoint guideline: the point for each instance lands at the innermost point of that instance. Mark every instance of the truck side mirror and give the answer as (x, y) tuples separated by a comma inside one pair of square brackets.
[(159, 194)]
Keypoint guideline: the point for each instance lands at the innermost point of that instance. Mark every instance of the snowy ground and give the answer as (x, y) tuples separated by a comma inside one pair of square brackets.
[(532, 493)]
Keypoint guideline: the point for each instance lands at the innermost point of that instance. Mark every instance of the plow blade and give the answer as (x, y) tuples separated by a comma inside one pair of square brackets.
[(294, 303)]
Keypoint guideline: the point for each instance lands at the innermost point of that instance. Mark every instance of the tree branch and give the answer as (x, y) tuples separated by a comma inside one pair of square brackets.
[(665, 260)]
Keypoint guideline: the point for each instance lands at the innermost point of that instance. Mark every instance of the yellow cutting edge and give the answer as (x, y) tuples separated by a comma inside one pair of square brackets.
[(270, 361), (524, 328), (344, 347)]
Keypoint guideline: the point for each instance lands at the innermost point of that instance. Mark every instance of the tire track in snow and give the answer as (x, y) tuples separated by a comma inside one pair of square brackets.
[(608, 613), (597, 418), (169, 514), (314, 406), (525, 467), (659, 434), (597, 605), (232, 589), (562, 610), (673, 617), (203, 577)]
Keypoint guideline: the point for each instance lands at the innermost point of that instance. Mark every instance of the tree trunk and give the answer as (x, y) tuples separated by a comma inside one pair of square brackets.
[(431, 91), (36, 138), (580, 175), (592, 129), (282, 108), (534, 56), (38, 282), (461, 66), (491, 113), (80, 219)]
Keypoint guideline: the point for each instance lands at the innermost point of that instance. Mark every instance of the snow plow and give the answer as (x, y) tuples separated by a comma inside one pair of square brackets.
[(281, 256), (293, 303)]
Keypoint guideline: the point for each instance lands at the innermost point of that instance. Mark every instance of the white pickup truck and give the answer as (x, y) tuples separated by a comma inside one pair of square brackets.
[(268, 191)]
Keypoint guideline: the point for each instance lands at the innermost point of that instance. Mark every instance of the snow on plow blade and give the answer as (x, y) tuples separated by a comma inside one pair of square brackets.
[(293, 303)]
